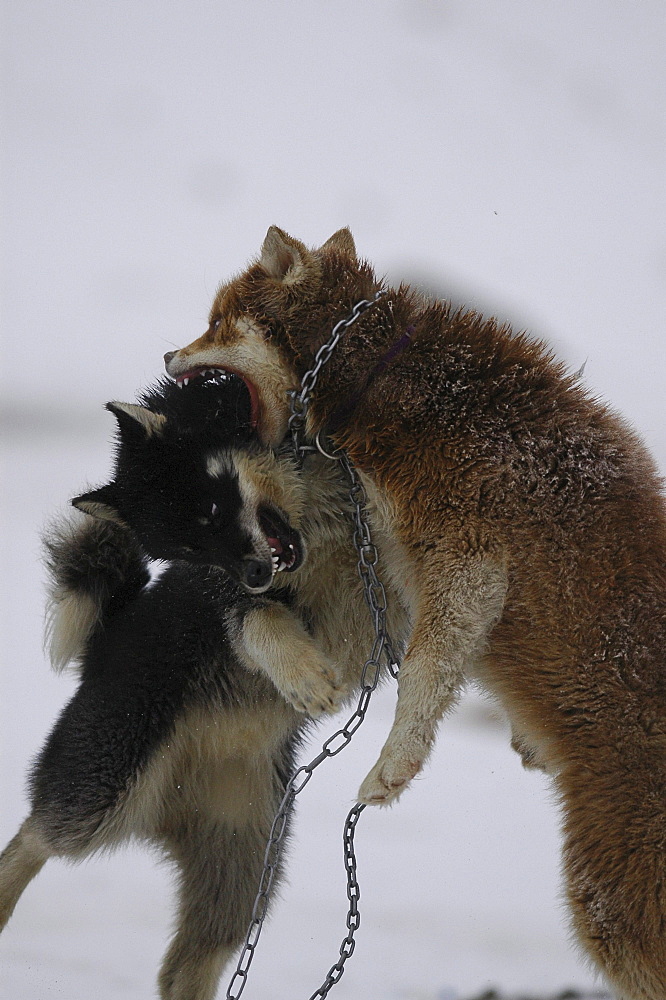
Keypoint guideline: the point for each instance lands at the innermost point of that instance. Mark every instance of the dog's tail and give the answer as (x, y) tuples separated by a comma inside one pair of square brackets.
[(92, 566), (615, 866)]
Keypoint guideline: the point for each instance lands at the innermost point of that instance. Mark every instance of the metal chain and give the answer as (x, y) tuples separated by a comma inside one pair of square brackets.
[(353, 895), (300, 398), (368, 557), (382, 650)]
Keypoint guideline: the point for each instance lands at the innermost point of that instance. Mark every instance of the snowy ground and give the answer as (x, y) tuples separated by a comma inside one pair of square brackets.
[(510, 155)]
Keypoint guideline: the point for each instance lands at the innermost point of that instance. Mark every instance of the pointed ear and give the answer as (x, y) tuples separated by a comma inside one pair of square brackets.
[(343, 241), (130, 417), (100, 504), (282, 257)]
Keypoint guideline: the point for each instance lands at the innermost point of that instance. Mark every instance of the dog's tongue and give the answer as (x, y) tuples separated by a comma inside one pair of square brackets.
[(276, 545)]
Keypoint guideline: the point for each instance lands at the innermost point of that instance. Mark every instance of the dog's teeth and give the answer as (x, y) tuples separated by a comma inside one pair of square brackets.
[(185, 381)]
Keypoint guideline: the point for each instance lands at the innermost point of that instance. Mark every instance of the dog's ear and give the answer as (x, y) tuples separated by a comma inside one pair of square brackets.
[(99, 503), (343, 241), (282, 257), (132, 418)]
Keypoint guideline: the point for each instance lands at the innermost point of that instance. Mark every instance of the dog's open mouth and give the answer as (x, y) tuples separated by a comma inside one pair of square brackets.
[(285, 543), (219, 376)]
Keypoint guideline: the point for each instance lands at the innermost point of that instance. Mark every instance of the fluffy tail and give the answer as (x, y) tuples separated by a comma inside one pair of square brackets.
[(615, 865), (92, 564)]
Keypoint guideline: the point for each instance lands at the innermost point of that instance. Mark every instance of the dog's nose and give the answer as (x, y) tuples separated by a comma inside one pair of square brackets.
[(257, 573), (169, 356)]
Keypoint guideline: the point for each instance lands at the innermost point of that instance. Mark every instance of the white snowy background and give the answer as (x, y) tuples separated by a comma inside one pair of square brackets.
[(508, 154)]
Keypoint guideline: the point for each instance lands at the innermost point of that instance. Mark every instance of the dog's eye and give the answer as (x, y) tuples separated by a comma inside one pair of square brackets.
[(211, 515), (215, 325)]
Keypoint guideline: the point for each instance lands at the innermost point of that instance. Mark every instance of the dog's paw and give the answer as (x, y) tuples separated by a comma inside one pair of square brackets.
[(316, 692), (388, 779)]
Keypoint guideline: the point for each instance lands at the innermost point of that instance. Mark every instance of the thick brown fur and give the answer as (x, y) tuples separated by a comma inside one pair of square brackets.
[(528, 537)]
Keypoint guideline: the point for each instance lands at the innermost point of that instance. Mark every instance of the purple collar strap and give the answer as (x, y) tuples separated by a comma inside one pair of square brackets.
[(345, 411)]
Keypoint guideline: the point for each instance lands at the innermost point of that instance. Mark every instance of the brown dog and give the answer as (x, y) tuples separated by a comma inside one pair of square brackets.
[(528, 538)]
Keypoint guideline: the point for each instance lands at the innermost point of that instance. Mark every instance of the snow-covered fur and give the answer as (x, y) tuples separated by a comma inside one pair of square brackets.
[(527, 528)]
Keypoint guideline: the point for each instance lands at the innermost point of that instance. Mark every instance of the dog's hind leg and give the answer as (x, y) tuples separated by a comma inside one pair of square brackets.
[(220, 868), (20, 861)]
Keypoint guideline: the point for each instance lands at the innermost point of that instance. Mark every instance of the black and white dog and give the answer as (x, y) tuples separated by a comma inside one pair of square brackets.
[(196, 688)]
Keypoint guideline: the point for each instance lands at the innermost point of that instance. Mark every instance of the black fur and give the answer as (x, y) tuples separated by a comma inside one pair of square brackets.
[(162, 470), (105, 564), (162, 488), (217, 412), (157, 651)]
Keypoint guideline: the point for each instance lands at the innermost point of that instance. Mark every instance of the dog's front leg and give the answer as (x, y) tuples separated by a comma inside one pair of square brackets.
[(275, 640), (452, 624)]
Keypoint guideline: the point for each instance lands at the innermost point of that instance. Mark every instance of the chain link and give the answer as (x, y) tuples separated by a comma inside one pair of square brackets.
[(382, 653), (353, 915), (300, 398)]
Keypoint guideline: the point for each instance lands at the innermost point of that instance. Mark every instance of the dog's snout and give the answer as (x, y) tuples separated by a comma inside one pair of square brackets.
[(257, 573), (169, 356)]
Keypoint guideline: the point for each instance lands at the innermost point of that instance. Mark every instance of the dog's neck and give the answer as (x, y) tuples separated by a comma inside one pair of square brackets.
[(347, 408), (365, 352)]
